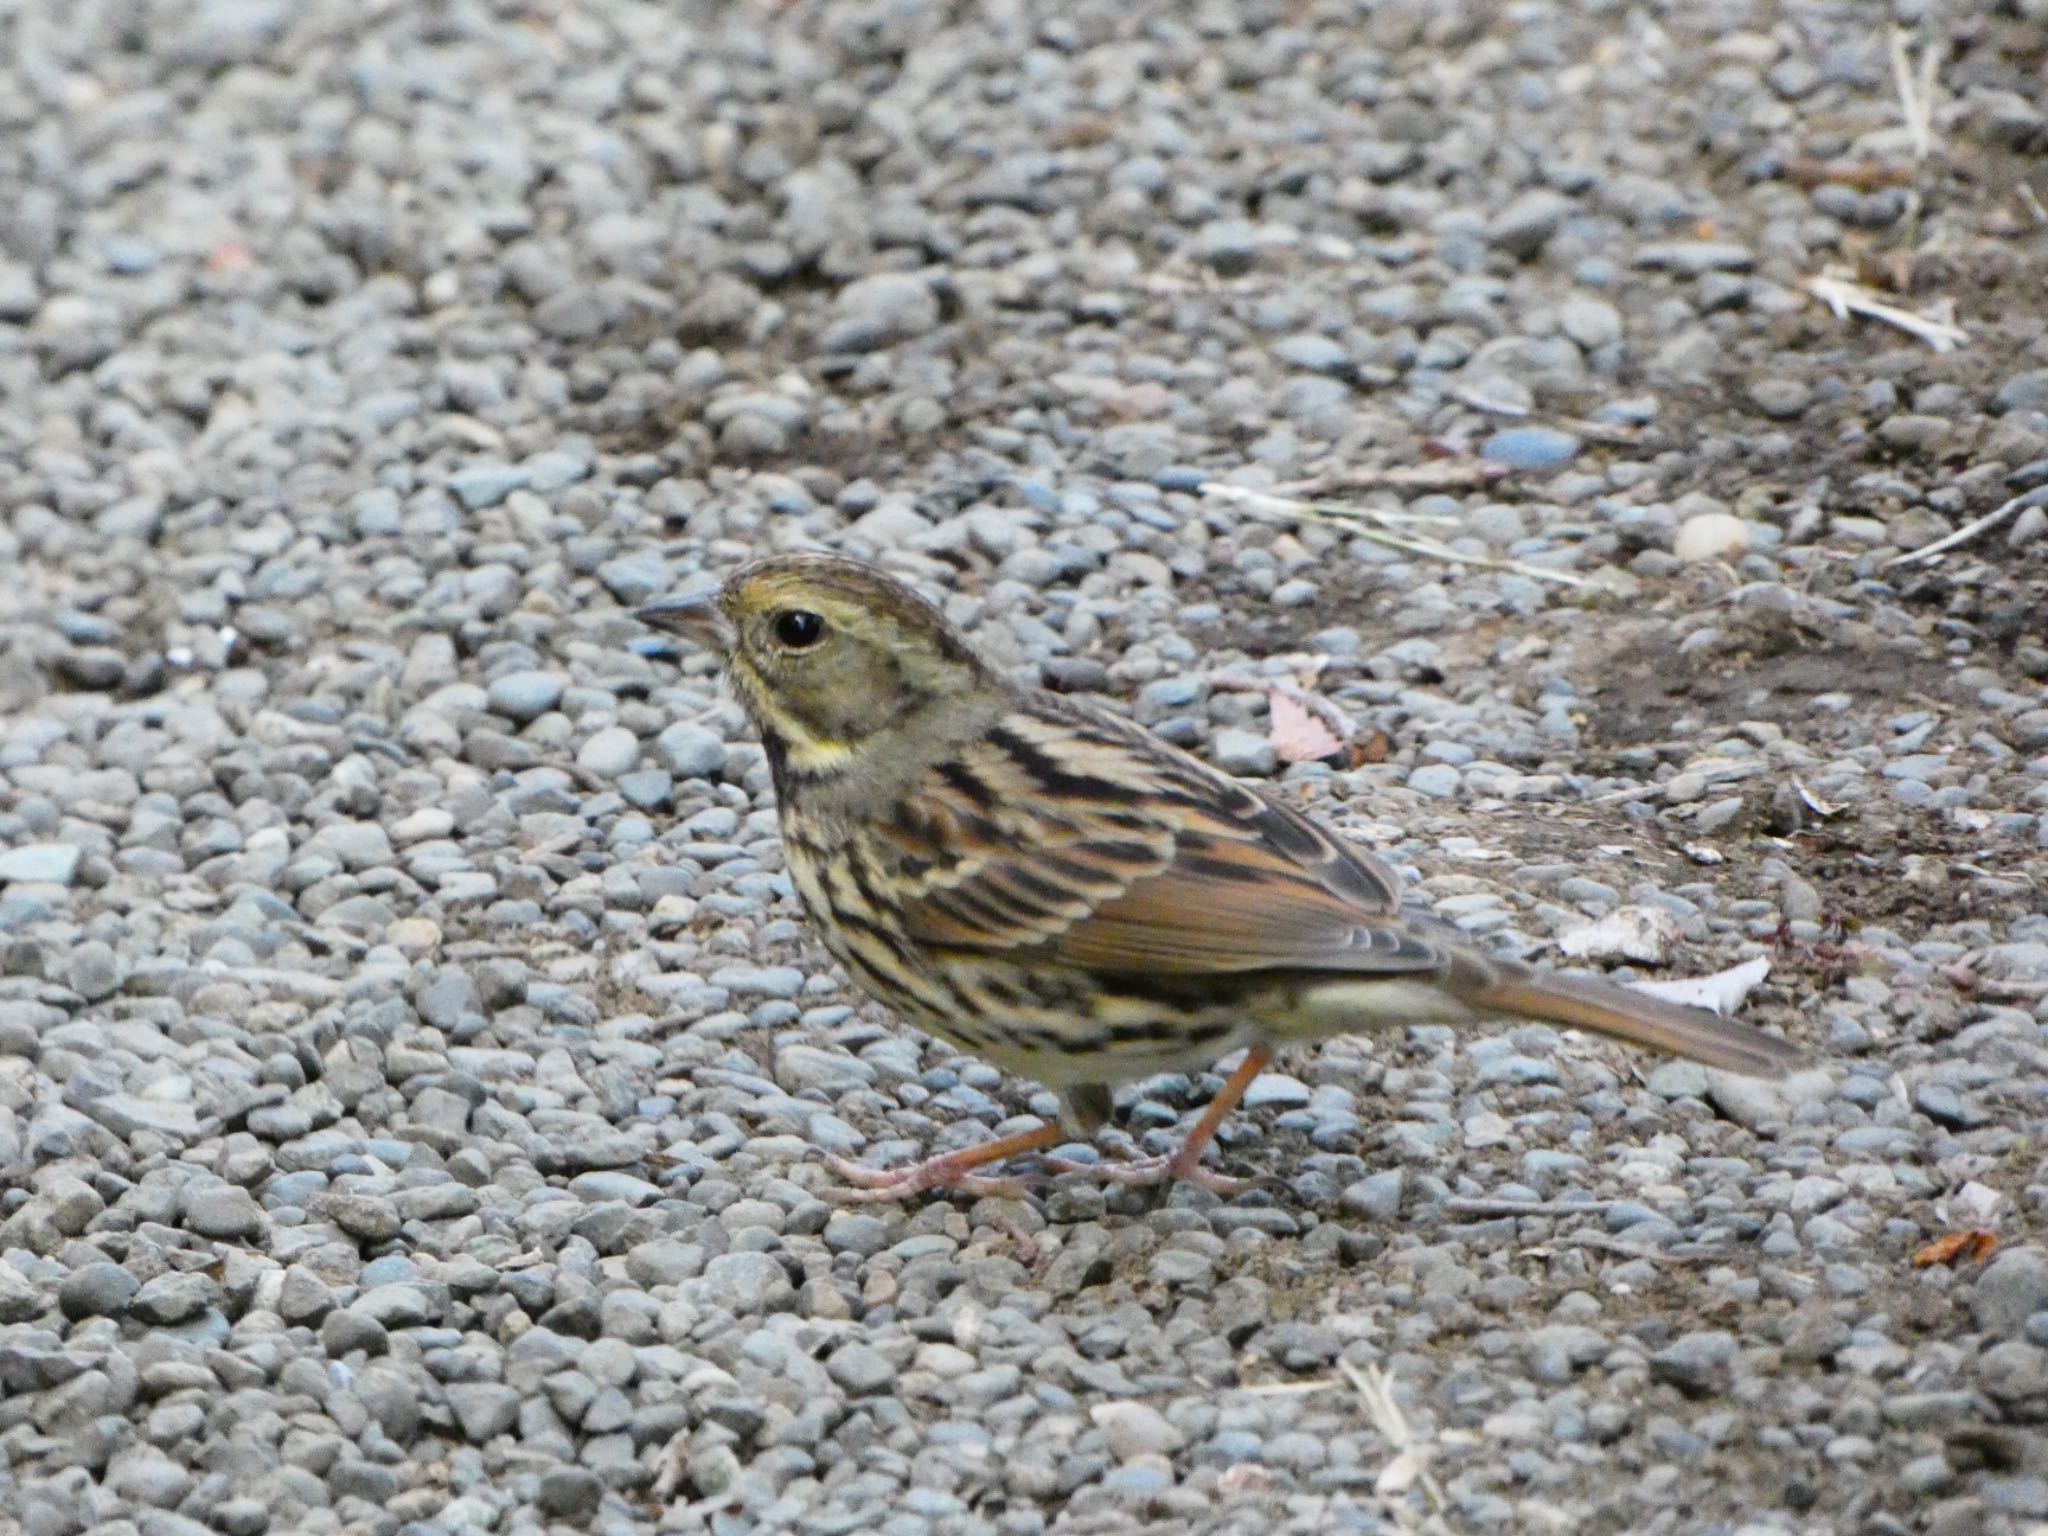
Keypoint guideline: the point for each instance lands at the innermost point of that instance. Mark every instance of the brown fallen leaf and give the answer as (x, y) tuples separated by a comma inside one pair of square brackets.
[(1297, 735), (1972, 1247), (1374, 749)]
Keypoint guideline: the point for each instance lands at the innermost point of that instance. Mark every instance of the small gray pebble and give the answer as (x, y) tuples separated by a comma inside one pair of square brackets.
[(98, 1289), (860, 1369), (2011, 1289), (1245, 754), (691, 751), (523, 696), (1698, 1364), (1439, 781), (223, 1211), (569, 1493), (40, 863), (609, 753), (174, 1298), (745, 1283)]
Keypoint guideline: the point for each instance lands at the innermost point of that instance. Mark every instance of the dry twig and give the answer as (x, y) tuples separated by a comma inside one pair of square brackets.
[(1410, 1465), (1445, 475), (1722, 992), (1864, 175), (1608, 1243), (1369, 523), (1481, 1205), (1847, 297), (1916, 90), (2037, 497)]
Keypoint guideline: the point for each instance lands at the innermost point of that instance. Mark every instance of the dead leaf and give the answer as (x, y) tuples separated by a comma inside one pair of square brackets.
[(1723, 991), (1971, 1247), (1297, 735), (1376, 748), (1813, 802), (1243, 1477)]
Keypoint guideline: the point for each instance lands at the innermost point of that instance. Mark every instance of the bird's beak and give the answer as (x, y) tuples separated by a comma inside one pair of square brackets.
[(698, 619)]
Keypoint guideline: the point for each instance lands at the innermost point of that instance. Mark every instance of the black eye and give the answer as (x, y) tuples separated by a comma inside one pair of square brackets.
[(798, 629)]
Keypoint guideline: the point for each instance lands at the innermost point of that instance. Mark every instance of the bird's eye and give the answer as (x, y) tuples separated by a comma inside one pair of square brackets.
[(798, 629)]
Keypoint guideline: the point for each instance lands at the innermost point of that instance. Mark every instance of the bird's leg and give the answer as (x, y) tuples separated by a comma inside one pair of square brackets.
[(1187, 1162), (949, 1170)]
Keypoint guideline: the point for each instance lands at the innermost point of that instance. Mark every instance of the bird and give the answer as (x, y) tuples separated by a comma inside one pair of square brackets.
[(1045, 884)]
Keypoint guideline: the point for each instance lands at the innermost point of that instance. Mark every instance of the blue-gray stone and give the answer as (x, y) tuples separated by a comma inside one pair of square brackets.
[(649, 789), (609, 752), (2012, 1290), (1949, 1106), (604, 1185), (691, 751), (1316, 354), (1170, 696), (634, 579), (2023, 392), (40, 863), (1440, 781), (1530, 447), (1698, 1364), (1377, 1196), (745, 1282), (522, 696), (97, 1289), (1246, 754), (1276, 1090), (1696, 256), (396, 1305), (1526, 224), (552, 470), (860, 1369), (388, 1269), (759, 980), (1516, 1071), (478, 486)]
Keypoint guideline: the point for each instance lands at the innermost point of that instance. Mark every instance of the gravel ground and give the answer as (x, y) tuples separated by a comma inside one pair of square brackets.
[(412, 1065)]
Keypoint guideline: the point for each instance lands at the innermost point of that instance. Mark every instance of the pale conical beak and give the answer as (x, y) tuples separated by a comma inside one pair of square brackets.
[(698, 619)]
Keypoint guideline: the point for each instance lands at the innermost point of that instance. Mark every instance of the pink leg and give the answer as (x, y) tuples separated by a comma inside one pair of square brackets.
[(949, 1170), (1187, 1162)]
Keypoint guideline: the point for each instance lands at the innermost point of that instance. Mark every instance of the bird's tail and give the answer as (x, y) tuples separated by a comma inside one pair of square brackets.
[(1641, 1020)]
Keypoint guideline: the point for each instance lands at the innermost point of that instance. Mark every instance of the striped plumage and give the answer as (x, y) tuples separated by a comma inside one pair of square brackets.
[(1052, 888)]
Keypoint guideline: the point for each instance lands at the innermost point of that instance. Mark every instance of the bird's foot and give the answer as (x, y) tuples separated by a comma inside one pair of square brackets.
[(878, 1186), (1157, 1170), (951, 1171)]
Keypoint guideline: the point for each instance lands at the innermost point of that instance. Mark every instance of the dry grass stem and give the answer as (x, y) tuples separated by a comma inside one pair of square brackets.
[(1916, 86), (1847, 297), (1368, 523), (2038, 496)]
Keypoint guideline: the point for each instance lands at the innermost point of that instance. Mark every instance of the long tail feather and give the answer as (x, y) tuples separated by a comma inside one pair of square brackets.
[(1643, 1020)]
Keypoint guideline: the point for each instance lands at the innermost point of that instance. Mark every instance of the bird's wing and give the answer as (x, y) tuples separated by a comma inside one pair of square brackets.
[(1087, 836)]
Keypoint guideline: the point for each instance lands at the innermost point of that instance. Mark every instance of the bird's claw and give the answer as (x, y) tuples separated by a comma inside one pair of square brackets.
[(1157, 1170), (879, 1186)]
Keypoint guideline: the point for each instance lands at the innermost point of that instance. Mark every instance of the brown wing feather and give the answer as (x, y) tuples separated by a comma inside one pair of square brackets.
[(1082, 833)]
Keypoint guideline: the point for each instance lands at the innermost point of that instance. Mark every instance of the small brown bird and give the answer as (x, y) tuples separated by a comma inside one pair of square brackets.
[(1053, 888)]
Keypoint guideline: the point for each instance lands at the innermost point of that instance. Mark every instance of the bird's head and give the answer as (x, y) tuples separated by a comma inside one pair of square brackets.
[(829, 656)]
